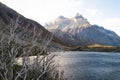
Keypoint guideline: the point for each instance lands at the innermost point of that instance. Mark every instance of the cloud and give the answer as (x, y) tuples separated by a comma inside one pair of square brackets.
[(93, 15), (75, 0), (112, 24), (79, 0), (111, 21), (92, 12)]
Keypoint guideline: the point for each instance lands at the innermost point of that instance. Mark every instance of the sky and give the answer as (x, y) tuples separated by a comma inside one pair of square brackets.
[(104, 13)]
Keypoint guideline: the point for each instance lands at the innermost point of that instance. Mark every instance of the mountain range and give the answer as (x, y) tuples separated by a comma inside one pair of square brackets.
[(77, 31), (69, 33)]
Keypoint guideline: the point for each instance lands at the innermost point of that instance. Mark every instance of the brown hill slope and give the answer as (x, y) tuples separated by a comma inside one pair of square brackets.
[(9, 16)]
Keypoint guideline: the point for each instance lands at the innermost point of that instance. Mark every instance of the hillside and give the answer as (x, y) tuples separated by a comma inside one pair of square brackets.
[(27, 27)]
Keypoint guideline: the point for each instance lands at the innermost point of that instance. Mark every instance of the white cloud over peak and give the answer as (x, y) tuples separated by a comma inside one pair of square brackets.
[(92, 12), (112, 24)]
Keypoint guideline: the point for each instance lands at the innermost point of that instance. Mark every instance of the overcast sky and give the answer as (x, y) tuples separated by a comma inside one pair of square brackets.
[(102, 12)]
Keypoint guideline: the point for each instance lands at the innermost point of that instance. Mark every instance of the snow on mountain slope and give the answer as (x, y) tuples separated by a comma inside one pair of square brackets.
[(78, 31)]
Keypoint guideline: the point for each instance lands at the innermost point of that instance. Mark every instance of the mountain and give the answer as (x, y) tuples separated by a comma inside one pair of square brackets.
[(27, 27), (77, 31)]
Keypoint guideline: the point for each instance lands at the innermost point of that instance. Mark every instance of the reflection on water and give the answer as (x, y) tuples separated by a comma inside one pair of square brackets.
[(90, 65)]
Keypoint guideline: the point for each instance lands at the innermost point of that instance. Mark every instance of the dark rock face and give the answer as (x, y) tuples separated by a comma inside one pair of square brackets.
[(26, 28), (78, 31), (7, 14)]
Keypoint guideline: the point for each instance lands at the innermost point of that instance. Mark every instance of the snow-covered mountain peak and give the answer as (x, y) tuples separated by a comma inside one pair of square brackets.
[(65, 24), (61, 20), (78, 16), (80, 22), (62, 17), (78, 31)]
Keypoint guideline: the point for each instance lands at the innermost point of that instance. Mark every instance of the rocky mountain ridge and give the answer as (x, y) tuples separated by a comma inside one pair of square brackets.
[(77, 31)]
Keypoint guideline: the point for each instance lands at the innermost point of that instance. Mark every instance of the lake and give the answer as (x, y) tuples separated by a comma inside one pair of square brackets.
[(89, 65)]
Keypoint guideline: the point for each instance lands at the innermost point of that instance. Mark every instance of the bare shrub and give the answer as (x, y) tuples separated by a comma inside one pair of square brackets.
[(20, 42)]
